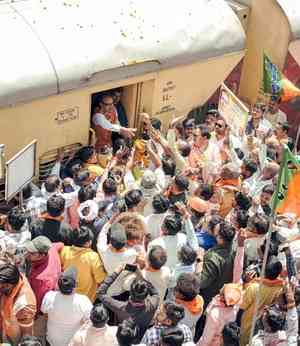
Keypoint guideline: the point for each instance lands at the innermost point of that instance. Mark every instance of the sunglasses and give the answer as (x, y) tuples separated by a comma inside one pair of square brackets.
[(107, 104), (219, 125)]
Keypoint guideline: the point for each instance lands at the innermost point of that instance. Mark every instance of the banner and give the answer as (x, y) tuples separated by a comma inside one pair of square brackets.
[(20, 170), (232, 110)]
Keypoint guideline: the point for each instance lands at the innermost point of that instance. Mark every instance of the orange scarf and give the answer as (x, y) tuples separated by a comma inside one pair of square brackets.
[(194, 306), (132, 242), (276, 282), (230, 182), (7, 304), (268, 282), (152, 270)]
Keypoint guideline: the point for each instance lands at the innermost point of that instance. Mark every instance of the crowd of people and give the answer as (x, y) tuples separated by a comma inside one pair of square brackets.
[(155, 237)]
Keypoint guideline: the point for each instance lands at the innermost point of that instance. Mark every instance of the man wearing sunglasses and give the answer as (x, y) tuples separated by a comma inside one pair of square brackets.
[(273, 113), (105, 121)]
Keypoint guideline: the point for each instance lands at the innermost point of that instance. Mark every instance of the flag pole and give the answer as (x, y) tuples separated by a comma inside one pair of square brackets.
[(263, 271), (268, 240), (297, 140)]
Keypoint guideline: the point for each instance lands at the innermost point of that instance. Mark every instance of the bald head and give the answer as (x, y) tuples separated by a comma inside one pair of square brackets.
[(270, 170), (184, 148)]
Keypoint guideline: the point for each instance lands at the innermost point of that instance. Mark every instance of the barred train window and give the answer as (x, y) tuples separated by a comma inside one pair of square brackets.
[(47, 160), (46, 163)]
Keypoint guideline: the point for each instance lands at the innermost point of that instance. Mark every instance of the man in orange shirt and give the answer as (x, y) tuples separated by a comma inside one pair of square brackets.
[(17, 303)]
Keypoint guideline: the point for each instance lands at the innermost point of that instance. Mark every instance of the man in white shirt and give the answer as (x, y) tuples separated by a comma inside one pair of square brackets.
[(96, 331), (115, 253), (160, 205), (258, 125), (66, 310), (205, 154), (257, 228), (16, 234), (53, 186), (249, 172), (261, 204), (268, 173), (34, 203), (149, 187), (105, 121), (173, 239), (155, 272)]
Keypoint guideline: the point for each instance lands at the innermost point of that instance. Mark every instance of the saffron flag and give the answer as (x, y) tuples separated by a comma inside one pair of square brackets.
[(275, 83), (286, 198)]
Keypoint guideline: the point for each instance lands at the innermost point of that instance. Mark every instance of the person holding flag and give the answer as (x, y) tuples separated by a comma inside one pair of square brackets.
[(286, 199), (280, 89)]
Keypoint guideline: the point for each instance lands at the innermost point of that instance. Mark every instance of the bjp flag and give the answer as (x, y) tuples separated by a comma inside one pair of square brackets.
[(275, 83), (286, 198)]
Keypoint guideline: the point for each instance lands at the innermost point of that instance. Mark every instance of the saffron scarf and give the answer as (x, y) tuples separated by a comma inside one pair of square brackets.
[(7, 303), (225, 182), (195, 306)]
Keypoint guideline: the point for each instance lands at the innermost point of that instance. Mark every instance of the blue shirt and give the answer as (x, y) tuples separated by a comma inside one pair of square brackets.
[(205, 240)]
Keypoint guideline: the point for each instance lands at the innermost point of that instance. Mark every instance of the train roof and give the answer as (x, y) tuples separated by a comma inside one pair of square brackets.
[(52, 46), (292, 10)]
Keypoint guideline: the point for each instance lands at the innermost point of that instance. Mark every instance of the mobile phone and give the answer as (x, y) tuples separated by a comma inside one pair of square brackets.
[(131, 267)]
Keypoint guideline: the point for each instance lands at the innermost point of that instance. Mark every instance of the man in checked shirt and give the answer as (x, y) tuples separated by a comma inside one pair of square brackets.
[(169, 315)]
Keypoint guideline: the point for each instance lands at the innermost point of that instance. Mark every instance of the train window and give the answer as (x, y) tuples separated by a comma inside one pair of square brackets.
[(47, 160)]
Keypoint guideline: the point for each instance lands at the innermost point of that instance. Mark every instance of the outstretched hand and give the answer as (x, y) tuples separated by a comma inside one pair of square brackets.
[(241, 237), (182, 209), (128, 132)]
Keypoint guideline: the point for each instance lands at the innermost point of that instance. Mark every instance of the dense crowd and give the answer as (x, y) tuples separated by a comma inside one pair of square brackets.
[(155, 237)]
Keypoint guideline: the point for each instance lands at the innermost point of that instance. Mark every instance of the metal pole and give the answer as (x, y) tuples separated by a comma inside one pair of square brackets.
[(266, 253), (2, 162), (297, 140), (21, 198)]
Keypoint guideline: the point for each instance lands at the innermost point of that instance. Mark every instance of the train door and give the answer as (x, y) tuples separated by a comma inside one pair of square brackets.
[(135, 98)]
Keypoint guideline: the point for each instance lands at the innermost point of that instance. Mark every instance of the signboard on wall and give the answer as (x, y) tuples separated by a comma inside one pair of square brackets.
[(232, 109), (67, 115), (168, 97)]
